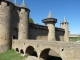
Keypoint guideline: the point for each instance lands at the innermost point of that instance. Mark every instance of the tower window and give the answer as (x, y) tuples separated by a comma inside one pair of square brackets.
[(14, 37), (7, 4)]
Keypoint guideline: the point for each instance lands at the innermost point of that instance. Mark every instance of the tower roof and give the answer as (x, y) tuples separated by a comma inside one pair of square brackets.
[(23, 4), (64, 20), (7, 0), (49, 18), (49, 15), (15, 3)]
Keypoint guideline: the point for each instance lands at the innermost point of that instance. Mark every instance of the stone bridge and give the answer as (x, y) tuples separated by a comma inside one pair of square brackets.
[(44, 50)]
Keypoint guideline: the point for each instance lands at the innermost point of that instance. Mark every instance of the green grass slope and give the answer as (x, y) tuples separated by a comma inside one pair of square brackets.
[(73, 39), (10, 55)]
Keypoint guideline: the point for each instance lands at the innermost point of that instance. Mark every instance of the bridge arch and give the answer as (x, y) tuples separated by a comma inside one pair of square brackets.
[(21, 51), (17, 49), (49, 54), (31, 51)]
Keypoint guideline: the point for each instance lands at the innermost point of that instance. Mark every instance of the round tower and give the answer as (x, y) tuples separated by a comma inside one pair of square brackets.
[(50, 22), (6, 19), (64, 25), (24, 21)]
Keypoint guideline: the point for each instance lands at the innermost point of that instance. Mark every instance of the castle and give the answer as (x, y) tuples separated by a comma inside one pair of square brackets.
[(16, 31), (14, 24)]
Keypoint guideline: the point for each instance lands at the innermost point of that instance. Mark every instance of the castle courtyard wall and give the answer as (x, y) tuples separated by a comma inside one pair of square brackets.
[(42, 34), (38, 34), (59, 35)]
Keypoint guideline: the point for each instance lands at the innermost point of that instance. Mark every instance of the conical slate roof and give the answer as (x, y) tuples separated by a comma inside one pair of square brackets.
[(23, 4), (49, 18), (49, 15), (7, 0), (64, 20), (15, 3)]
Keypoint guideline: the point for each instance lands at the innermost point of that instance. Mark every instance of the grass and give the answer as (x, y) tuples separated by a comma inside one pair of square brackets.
[(11, 55), (74, 39)]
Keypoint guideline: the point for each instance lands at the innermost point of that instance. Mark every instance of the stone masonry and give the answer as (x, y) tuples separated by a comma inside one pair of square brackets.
[(6, 19), (65, 50), (44, 40)]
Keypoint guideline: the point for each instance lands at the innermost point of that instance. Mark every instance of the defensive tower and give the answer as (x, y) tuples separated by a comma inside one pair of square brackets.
[(50, 22), (64, 25), (6, 19), (24, 21)]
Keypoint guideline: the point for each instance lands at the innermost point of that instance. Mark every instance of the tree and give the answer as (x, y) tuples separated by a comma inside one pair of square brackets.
[(31, 20)]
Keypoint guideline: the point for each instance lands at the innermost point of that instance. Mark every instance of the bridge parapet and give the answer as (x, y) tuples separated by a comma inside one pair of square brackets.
[(66, 50)]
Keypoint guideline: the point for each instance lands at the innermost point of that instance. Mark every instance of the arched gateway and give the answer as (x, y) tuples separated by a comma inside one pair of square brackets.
[(31, 51), (49, 54)]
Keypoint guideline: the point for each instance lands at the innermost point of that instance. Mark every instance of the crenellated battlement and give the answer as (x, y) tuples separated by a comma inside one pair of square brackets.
[(6, 6), (5, 3), (21, 9)]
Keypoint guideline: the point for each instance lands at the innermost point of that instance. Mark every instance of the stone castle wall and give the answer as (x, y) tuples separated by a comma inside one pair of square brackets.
[(6, 20), (42, 34), (38, 34), (59, 35)]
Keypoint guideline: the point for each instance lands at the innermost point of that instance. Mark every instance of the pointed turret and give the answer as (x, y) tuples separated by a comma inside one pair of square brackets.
[(24, 17), (7, 0), (49, 15), (64, 25), (49, 18), (64, 21), (15, 3), (23, 5), (50, 23)]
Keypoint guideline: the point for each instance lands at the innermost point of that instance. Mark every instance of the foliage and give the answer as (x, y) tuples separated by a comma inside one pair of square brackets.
[(31, 20), (11, 55)]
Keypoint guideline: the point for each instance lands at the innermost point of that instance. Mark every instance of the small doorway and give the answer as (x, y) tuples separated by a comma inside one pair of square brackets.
[(15, 33)]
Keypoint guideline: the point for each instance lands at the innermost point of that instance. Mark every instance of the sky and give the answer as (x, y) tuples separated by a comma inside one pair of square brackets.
[(70, 9)]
